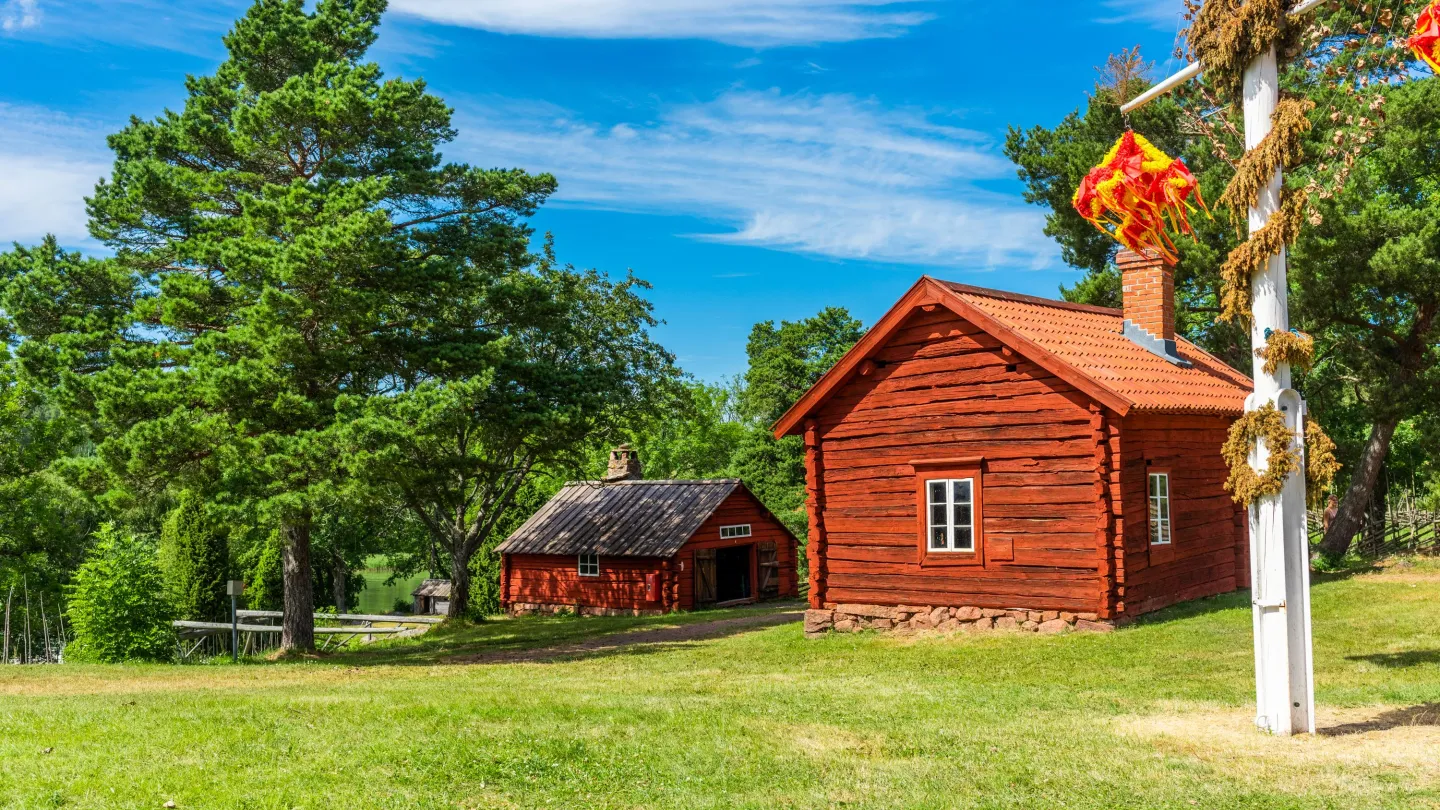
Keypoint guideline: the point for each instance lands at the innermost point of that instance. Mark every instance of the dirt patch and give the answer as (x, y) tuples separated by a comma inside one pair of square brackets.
[(1351, 747), (619, 642)]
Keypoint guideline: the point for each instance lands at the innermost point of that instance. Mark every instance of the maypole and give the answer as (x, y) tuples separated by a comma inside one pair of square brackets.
[(1279, 548)]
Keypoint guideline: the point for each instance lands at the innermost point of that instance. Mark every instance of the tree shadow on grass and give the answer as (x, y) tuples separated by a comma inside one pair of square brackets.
[(544, 638), (636, 641), (1426, 714), (1399, 660)]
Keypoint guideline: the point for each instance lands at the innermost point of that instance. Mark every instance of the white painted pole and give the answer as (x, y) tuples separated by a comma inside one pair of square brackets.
[(1279, 542), (1279, 547)]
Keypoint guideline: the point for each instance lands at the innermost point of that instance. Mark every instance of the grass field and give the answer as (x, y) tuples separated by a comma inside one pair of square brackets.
[(1156, 715)]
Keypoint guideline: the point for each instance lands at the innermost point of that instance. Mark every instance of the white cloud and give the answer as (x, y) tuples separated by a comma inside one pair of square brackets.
[(741, 22), (829, 175), (48, 164), (1161, 14), (18, 14)]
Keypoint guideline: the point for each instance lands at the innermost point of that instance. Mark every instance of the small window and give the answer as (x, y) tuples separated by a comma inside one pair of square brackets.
[(589, 565), (950, 503), (1159, 509), (730, 532)]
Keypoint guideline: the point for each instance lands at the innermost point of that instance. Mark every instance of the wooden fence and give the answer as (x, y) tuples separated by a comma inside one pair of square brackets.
[(1408, 529)]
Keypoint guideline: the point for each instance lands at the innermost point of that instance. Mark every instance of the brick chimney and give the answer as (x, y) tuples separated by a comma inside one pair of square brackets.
[(1147, 288), (624, 465)]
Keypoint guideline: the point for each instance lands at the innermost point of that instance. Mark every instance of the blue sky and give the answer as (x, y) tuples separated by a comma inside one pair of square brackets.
[(753, 159)]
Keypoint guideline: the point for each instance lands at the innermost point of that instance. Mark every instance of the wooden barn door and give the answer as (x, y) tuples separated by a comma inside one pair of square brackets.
[(769, 567), (704, 576)]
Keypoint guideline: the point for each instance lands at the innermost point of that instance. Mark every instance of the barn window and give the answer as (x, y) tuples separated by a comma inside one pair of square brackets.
[(739, 530), (950, 504), (1159, 509), (589, 564)]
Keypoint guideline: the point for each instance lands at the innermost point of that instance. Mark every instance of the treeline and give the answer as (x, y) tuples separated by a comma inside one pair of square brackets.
[(314, 341)]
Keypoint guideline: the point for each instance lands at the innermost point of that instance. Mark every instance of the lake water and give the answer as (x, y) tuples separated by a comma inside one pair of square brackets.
[(379, 597)]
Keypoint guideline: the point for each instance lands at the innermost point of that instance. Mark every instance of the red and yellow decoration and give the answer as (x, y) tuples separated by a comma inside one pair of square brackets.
[(1136, 193), (1425, 42)]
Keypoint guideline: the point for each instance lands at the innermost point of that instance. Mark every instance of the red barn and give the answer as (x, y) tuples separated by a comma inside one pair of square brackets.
[(990, 459), (630, 546)]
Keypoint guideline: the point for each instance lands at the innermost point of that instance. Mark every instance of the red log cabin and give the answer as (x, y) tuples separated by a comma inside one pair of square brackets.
[(625, 545), (1013, 459)]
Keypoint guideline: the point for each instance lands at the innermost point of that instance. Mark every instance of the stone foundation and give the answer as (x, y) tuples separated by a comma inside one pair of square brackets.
[(908, 619), (547, 609)]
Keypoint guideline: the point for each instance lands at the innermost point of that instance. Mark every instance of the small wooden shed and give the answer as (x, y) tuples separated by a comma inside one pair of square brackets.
[(1000, 455), (628, 546), (433, 596)]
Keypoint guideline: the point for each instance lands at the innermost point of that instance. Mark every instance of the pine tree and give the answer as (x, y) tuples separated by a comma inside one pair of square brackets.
[(293, 236)]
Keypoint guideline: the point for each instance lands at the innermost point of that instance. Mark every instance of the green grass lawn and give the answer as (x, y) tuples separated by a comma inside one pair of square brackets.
[(1156, 715)]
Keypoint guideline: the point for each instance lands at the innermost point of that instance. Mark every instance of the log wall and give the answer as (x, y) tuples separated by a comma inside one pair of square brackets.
[(941, 388), (1209, 547), (550, 579), (740, 507)]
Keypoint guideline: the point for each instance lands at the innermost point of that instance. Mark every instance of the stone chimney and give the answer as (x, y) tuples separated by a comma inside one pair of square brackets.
[(624, 465), (1147, 286)]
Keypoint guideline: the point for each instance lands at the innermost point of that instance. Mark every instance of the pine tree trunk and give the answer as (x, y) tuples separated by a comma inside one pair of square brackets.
[(1357, 498), (339, 573), (298, 624), (459, 584)]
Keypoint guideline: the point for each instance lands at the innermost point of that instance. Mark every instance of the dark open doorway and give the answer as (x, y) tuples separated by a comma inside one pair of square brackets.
[(732, 573)]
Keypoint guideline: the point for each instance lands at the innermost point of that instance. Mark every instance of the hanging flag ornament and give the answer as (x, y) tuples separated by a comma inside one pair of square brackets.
[(1425, 42), (1136, 192)]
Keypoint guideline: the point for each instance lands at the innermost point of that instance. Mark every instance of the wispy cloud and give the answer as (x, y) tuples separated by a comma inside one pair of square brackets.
[(19, 14), (1162, 14), (829, 175), (48, 164), (740, 22)]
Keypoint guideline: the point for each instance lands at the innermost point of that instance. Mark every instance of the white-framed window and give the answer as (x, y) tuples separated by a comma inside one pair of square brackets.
[(738, 530), (950, 505), (1159, 509), (589, 564)]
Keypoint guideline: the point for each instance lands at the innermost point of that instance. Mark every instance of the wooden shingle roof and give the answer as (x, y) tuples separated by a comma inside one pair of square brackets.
[(620, 519)]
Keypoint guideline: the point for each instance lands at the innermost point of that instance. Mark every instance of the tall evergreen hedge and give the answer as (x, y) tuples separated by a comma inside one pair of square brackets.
[(195, 556)]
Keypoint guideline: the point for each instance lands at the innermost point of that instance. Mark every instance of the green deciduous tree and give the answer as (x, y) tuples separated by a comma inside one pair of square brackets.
[(569, 364), (195, 558), (118, 606), (784, 362)]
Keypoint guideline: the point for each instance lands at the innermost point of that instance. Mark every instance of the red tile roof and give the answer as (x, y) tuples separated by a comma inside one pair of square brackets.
[(1089, 339)]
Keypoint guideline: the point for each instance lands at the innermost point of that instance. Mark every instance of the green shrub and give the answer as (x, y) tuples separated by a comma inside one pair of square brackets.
[(195, 559), (119, 609)]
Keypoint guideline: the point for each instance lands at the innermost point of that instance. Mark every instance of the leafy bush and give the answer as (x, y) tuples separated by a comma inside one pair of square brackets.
[(195, 559), (119, 609)]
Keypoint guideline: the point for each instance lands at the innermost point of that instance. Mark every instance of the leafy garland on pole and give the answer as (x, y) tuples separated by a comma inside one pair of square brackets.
[(1267, 424)]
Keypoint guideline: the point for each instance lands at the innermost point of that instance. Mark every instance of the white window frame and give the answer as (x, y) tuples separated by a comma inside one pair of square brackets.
[(1158, 512), (950, 524), (735, 531), (594, 564)]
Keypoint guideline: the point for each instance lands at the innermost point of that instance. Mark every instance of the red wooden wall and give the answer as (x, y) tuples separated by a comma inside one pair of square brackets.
[(740, 507), (1209, 549), (942, 389), (555, 579)]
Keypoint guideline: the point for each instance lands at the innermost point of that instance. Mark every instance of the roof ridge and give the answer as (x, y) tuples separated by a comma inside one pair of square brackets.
[(1029, 299), (666, 481)]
